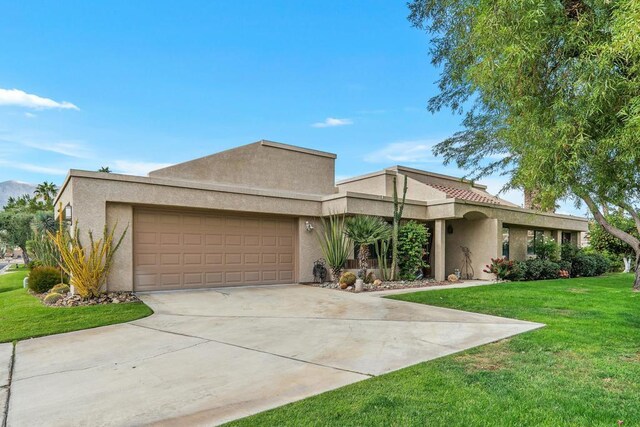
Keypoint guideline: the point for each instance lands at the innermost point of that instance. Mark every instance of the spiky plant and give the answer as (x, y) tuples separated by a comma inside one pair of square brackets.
[(366, 230), (334, 243), (88, 267)]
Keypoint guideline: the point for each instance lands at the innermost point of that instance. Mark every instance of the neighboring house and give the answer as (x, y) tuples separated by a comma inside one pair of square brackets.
[(245, 216)]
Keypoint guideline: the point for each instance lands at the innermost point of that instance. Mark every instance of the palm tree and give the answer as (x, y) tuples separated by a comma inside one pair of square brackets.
[(104, 169), (46, 192), (364, 231)]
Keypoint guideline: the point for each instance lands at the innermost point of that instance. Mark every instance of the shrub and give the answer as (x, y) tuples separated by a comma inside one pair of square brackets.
[(602, 263), (518, 270), (539, 269), (52, 298), (568, 252), (546, 249), (41, 279), (501, 267), (565, 266), (348, 278), (412, 240), (583, 265), (61, 288), (33, 264)]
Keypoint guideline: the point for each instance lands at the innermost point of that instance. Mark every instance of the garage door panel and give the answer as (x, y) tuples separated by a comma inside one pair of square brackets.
[(169, 238), (174, 250)]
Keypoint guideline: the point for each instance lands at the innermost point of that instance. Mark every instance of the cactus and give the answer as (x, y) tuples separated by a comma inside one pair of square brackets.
[(52, 298)]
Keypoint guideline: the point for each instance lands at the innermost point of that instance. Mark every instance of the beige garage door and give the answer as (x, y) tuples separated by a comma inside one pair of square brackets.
[(185, 250)]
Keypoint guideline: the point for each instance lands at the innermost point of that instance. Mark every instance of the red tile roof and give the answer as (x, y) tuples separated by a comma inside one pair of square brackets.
[(459, 193)]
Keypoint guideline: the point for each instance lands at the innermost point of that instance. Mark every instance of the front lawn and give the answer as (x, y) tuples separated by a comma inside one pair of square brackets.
[(582, 369), (24, 316)]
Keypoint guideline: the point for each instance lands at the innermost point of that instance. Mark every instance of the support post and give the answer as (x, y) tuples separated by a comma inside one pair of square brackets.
[(439, 272)]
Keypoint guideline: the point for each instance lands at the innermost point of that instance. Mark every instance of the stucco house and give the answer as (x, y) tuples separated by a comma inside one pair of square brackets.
[(246, 216)]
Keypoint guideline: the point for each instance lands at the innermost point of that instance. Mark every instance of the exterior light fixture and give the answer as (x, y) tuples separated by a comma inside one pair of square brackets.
[(308, 226), (68, 213)]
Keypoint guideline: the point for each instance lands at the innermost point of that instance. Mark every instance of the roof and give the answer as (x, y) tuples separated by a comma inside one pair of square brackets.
[(459, 193)]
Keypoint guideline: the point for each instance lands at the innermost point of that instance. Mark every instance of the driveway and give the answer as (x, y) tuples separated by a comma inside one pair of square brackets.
[(206, 357)]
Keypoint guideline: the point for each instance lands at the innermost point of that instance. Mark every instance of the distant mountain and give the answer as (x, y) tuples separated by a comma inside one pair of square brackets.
[(14, 189)]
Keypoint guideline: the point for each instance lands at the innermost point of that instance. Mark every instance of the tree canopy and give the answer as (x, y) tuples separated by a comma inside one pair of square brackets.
[(550, 96)]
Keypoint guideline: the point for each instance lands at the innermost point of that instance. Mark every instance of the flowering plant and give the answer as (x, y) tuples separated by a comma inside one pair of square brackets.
[(501, 267)]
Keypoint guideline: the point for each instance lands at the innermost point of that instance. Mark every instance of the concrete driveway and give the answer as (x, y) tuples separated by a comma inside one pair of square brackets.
[(206, 357)]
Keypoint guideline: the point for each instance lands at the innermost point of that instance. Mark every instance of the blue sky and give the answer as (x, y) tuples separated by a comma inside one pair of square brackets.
[(138, 85)]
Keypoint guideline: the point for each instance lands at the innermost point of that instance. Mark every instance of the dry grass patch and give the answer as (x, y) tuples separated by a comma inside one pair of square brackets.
[(492, 357)]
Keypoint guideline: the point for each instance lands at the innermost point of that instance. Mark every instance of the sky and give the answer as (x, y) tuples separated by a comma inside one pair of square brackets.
[(137, 85)]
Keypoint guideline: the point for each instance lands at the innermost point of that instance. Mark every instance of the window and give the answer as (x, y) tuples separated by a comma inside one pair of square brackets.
[(566, 237), (505, 242), (534, 237)]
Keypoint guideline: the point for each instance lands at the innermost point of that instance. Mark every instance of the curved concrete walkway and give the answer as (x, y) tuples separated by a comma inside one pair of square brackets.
[(206, 357)]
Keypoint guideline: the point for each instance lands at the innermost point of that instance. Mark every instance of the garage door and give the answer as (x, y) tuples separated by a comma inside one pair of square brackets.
[(185, 250)]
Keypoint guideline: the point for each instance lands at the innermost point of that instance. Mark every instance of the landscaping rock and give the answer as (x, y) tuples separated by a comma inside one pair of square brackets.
[(69, 300), (378, 285)]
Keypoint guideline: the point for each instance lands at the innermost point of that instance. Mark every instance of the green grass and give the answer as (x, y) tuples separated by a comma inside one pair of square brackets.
[(23, 316), (582, 369)]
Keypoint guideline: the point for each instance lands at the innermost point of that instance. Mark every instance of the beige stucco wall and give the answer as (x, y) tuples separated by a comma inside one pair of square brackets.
[(481, 236), (517, 243), (308, 248), (263, 164), (417, 190), (369, 184), (120, 218)]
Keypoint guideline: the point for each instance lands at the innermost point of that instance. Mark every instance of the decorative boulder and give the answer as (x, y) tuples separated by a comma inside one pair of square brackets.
[(452, 278), (377, 282)]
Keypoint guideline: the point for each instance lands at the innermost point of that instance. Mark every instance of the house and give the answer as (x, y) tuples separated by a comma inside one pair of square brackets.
[(246, 216)]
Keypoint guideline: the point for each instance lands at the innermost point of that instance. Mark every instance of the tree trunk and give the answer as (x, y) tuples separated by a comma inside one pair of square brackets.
[(25, 256), (636, 282), (363, 259), (625, 237), (627, 263)]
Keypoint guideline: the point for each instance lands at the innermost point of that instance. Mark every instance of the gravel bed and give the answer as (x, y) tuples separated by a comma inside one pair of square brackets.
[(69, 300), (386, 286)]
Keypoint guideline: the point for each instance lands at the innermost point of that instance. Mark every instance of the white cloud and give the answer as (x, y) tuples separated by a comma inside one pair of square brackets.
[(29, 167), (19, 98), (30, 115), (67, 148), (332, 122), (136, 168), (404, 152)]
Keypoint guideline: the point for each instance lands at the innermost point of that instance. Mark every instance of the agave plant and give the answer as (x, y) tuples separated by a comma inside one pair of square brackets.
[(364, 231), (334, 243)]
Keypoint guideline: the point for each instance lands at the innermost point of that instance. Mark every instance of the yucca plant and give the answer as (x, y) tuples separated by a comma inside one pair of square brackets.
[(334, 243), (88, 269), (42, 247), (366, 230)]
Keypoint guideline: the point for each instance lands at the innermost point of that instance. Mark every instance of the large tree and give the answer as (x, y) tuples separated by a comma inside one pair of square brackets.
[(46, 192), (601, 240), (15, 231), (550, 93)]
